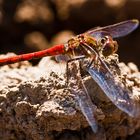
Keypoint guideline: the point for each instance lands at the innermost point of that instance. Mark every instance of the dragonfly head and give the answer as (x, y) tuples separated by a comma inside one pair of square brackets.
[(108, 45)]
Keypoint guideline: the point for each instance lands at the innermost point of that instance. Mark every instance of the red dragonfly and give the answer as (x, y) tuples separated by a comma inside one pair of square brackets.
[(92, 46), (96, 38)]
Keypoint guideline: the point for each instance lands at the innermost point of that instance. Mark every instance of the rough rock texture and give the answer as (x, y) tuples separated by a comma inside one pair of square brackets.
[(37, 104)]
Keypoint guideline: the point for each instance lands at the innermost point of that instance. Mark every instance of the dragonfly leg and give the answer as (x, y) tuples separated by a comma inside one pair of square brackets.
[(94, 55), (67, 66), (98, 58), (94, 60)]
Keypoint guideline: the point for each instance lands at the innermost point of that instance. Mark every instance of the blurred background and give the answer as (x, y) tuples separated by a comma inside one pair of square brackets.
[(33, 25)]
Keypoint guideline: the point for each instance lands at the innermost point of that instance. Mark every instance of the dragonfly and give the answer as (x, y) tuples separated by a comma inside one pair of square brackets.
[(91, 47)]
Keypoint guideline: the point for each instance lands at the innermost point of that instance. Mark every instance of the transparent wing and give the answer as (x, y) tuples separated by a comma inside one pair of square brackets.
[(62, 58), (87, 108), (116, 30), (113, 89), (81, 94)]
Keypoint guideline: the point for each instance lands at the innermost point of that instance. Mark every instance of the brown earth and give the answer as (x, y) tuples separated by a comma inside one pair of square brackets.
[(36, 103)]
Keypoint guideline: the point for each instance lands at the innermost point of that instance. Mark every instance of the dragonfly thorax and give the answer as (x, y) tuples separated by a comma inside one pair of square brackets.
[(76, 45)]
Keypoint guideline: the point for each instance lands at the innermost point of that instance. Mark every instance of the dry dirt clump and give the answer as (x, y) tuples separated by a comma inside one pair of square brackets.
[(37, 104)]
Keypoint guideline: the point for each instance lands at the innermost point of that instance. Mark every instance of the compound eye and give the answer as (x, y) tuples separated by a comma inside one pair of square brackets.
[(104, 39)]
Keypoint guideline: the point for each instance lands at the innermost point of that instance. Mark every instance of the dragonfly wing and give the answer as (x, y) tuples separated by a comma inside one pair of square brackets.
[(116, 30), (113, 89), (87, 108), (81, 94), (62, 58)]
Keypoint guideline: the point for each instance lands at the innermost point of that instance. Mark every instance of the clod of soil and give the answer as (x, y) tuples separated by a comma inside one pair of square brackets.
[(37, 104)]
